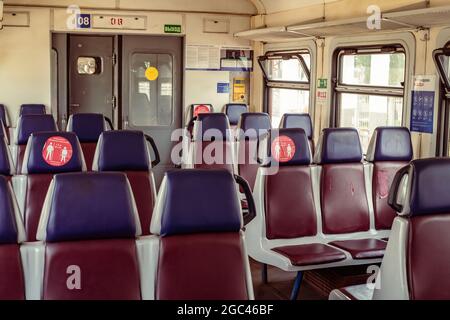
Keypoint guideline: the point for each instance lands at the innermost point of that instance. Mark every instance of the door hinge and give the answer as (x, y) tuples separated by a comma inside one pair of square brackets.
[(114, 102), (114, 59)]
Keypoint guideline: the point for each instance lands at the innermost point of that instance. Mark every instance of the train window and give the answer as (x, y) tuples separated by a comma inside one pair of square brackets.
[(442, 60), (370, 89), (151, 83), (89, 65), (287, 77)]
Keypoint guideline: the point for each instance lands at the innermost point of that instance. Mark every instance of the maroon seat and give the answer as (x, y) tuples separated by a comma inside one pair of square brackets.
[(250, 128), (12, 285), (212, 145), (90, 247), (26, 125), (390, 149), (4, 123), (234, 112), (32, 109), (38, 171), (289, 202), (416, 263), (6, 164), (128, 152), (299, 120), (363, 248), (201, 249), (87, 127), (311, 254), (343, 197)]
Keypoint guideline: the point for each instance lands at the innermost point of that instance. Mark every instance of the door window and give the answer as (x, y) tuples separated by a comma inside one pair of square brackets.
[(151, 93)]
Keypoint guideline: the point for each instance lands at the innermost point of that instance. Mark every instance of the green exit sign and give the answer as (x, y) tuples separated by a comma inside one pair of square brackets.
[(322, 83), (172, 28)]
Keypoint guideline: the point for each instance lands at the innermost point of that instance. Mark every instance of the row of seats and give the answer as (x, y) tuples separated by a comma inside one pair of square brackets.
[(90, 244), (416, 263), (334, 213), (25, 109), (87, 127), (124, 151)]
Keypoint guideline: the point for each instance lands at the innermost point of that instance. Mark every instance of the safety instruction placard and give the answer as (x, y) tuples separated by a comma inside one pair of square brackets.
[(422, 109), (202, 57), (57, 151)]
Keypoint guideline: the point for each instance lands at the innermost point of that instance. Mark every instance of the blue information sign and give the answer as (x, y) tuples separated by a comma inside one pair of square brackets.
[(422, 109), (223, 87)]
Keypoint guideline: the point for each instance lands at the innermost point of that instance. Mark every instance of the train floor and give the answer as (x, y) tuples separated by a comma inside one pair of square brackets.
[(316, 285)]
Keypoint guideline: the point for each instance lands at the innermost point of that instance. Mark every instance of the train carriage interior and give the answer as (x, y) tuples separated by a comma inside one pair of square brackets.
[(260, 150)]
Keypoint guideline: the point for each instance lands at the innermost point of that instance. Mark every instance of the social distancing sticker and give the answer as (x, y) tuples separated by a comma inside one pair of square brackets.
[(201, 109), (283, 149), (57, 151), (151, 73)]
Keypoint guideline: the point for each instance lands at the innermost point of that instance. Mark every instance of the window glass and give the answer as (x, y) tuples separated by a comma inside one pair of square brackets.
[(445, 64), (279, 69), (88, 65), (366, 112), (382, 70), (151, 89), (287, 101)]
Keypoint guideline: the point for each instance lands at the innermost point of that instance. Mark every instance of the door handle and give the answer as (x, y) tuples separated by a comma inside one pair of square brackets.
[(74, 104)]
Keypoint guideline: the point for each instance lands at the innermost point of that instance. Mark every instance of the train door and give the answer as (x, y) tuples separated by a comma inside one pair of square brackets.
[(91, 74), (152, 90)]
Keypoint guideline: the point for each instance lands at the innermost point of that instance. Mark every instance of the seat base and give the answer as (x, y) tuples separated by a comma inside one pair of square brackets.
[(358, 292), (310, 254), (363, 248)]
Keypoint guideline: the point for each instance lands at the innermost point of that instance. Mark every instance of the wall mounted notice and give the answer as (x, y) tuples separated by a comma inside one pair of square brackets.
[(236, 59), (202, 57), (422, 109), (223, 87)]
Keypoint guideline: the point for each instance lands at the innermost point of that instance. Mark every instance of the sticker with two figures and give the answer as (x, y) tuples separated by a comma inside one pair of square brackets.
[(283, 149), (57, 151)]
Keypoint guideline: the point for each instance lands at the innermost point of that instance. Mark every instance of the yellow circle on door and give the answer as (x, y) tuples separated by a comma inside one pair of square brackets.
[(151, 73)]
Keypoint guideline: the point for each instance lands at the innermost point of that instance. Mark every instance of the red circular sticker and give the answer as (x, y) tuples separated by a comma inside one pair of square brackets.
[(283, 149), (201, 108), (57, 151)]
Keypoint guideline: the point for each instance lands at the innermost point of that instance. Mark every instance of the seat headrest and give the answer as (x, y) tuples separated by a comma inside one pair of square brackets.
[(31, 108), (84, 206), (298, 120), (122, 151), (253, 125), (422, 188), (3, 117), (338, 145), (6, 163), (53, 152), (87, 126), (234, 111), (197, 201), (196, 109), (285, 147), (29, 124), (213, 126), (11, 228), (390, 144)]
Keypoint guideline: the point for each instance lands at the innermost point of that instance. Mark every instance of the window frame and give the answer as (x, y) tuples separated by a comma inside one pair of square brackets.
[(286, 84), (339, 88)]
